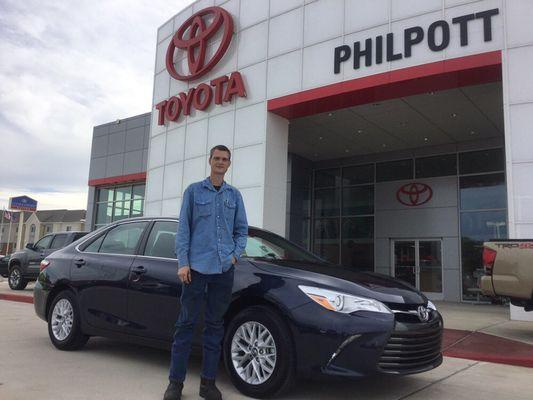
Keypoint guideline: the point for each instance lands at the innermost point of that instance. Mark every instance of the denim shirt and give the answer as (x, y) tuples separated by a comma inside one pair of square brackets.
[(212, 227)]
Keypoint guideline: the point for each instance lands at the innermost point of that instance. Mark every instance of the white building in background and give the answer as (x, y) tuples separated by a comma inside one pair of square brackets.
[(386, 135)]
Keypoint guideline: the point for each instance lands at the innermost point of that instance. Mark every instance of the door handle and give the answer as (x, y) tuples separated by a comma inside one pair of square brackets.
[(139, 270), (79, 262)]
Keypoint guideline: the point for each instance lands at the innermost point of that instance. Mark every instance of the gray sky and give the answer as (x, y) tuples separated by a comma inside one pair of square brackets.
[(66, 66)]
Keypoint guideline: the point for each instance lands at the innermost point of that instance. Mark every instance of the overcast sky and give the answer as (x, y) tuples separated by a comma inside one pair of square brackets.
[(66, 66)]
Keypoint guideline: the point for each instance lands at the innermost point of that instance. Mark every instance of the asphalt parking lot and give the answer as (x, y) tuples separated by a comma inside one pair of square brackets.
[(30, 367)]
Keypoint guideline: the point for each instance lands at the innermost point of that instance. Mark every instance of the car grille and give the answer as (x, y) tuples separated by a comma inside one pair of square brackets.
[(416, 348)]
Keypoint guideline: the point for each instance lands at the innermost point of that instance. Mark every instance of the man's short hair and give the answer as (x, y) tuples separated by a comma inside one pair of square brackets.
[(220, 147)]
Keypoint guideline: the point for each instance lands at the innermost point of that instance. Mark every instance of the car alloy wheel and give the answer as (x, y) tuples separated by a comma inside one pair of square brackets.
[(16, 280), (62, 319), (64, 322), (14, 277), (259, 353), (253, 353)]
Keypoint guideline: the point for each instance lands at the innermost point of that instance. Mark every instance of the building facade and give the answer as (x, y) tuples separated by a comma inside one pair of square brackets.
[(386, 135), (117, 171)]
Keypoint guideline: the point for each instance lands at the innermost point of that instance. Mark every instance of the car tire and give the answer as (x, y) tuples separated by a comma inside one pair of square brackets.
[(15, 279), (64, 324), (274, 372)]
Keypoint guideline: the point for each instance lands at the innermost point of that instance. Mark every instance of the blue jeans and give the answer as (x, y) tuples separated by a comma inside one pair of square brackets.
[(215, 290)]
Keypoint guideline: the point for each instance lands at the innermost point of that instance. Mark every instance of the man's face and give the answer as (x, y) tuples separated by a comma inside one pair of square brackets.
[(220, 162)]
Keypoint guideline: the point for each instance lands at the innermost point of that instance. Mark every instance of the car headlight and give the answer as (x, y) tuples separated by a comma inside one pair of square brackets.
[(431, 306), (342, 302)]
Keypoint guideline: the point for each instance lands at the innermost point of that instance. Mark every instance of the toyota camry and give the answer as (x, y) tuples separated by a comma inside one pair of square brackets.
[(292, 314)]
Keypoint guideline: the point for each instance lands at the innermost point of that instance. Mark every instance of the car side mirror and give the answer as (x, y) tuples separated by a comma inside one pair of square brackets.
[(30, 246)]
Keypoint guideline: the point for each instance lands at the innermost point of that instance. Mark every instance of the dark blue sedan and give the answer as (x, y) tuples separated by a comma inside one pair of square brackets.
[(292, 314)]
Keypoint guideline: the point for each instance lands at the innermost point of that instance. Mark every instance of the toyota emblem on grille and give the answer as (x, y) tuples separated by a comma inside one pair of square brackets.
[(423, 314)]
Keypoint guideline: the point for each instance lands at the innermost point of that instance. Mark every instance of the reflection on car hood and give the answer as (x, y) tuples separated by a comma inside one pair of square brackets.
[(367, 284)]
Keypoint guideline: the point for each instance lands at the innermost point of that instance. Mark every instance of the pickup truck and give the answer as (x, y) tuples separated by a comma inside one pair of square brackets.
[(24, 265), (508, 268)]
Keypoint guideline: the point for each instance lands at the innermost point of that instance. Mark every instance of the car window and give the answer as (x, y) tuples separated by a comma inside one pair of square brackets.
[(94, 246), (79, 235), (162, 240), (43, 243), (123, 239), (268, 245), (59, 241)]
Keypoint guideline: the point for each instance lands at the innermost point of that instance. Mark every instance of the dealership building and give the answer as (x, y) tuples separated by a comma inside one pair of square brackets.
[(386, 135)]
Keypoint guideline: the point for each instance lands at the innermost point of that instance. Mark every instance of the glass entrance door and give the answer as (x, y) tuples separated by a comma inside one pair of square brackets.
[(419, 262)]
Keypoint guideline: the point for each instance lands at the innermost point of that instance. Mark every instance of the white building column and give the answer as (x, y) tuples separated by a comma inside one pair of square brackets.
[(517, 58)]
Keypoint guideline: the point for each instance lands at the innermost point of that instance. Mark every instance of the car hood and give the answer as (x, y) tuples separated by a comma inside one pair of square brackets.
[(367, 284)]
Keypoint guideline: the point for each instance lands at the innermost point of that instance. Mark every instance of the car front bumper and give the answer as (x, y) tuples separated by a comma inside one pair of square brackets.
[(363, 344)]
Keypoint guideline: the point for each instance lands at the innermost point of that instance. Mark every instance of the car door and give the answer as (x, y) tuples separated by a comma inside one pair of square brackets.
[(154, 291), (100, 271), (38, 253)]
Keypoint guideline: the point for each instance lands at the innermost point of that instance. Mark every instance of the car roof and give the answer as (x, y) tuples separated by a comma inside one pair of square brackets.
[(161, 218)]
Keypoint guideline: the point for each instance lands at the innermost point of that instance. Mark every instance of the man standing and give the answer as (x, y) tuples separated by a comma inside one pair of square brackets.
[(211, 238)]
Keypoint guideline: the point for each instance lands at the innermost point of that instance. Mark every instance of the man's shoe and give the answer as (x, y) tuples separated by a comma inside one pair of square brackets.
[(173, 391), (208, 390)]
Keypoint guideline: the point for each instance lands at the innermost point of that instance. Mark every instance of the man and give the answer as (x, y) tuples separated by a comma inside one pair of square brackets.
[(211, 238)]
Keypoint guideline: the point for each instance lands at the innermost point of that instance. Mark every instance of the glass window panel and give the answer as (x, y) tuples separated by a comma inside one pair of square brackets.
[(404, 254), (483, 191), (358, 228), (430, 266), (43, 243), (326, 242), (138, 191), (357, 243), (106, 194), (123, 193), (358, 200), (269, 245), (94, 246), (137, 208), (123, 239), (162, 240), (121, 210), (327, 202), (429, 167), (358, 255), (405, 261), (358, 174), (59, 241), (328, 178), (104, 213), (394, 170), (481, 161), (477, 227)]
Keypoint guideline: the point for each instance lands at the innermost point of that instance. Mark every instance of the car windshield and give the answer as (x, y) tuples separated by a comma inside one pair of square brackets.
[(269, 246)]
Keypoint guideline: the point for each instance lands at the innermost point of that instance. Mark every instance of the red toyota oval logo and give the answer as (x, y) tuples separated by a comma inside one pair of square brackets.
[(193, 36), (414, 194)]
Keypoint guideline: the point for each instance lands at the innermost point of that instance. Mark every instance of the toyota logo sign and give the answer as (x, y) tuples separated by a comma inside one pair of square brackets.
[(414, 194), (193, 37)]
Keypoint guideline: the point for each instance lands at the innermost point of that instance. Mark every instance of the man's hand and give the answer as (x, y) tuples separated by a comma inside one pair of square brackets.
[(233, 260), (184, 274)]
